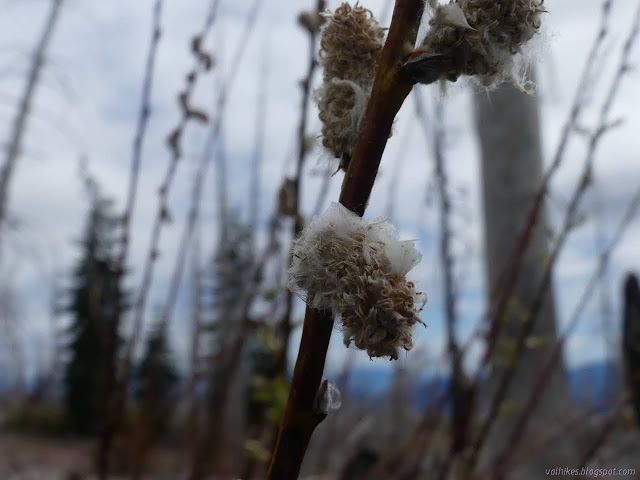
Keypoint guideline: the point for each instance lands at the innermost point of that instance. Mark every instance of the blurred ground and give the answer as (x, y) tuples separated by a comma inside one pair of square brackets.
[(26, 457)]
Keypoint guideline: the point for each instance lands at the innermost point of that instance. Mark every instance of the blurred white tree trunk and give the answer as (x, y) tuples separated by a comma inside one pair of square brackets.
[(508, 127)]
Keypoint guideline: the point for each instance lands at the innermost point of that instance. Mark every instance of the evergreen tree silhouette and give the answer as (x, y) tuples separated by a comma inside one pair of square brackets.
[(90, 305)]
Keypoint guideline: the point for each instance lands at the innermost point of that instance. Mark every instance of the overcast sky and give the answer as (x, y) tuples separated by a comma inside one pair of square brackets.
[(87, 104)]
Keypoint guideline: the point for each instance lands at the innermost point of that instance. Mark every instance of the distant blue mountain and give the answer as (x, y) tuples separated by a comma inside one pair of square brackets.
[(594, 385)]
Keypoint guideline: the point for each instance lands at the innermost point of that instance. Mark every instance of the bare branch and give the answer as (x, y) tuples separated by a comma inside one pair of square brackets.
[(22, 115), (285, 327)]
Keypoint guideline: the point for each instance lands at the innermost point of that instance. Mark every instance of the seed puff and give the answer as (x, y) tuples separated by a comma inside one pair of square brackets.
[(483, 36), (350, 44), (356, 269)]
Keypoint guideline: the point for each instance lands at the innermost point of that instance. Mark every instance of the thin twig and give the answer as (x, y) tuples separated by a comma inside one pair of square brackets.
[(214, 138), (24, 108), (162, 214), (201, 174), (285, 326), (136, 158), (111, 418)]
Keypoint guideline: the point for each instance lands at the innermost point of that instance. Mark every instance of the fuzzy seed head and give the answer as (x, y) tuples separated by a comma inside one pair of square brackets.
[(350, 43), (483, 36), (356, 269)]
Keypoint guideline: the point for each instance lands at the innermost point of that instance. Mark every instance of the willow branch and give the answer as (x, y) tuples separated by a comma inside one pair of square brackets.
[(285, 326), (136, 158), (389, 92), (112, 413), (162, 214)]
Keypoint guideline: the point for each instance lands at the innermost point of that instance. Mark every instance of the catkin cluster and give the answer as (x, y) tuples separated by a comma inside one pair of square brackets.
[(482, 36), (356, 269), (350, 43)]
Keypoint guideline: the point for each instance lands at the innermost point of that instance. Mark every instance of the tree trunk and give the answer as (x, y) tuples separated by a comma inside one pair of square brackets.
[(508, 127)]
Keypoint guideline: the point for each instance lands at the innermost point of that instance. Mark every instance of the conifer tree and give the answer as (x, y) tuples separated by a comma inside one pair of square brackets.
[(90, 305)]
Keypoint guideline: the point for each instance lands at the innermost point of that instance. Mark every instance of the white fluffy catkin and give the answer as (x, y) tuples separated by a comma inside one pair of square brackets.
[(350, 43), (356, 269), (483, 36)]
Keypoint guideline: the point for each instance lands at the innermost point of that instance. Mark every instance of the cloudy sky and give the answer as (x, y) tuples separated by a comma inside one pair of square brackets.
[(87, 104)]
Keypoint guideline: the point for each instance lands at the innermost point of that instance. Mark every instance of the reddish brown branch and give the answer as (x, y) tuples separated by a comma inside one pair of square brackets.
[(389, 91), (285, 327), (201, 174), (117, 392), (162, 214)]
